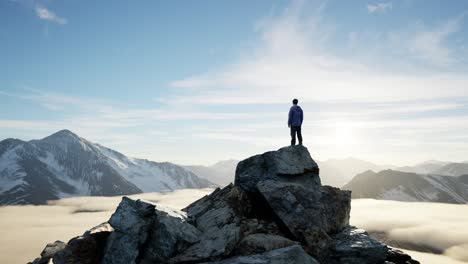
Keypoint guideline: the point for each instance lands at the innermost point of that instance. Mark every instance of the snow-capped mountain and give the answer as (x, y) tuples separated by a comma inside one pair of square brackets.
[(221, 173), (407, 186), (64, 165)]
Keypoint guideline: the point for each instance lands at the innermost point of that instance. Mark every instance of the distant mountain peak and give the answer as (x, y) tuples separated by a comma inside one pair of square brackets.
[(65, 140), (64, 133), (433, 161), (64, 164), (409, 186)]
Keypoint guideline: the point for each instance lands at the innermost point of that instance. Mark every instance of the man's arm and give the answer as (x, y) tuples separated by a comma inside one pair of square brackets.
[(302, 116), (290, 115)]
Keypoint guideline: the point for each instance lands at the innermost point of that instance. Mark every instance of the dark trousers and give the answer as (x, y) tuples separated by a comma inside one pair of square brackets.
[(294, 130)]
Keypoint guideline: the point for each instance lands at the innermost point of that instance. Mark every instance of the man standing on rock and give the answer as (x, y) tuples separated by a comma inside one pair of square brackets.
[(295, 122)]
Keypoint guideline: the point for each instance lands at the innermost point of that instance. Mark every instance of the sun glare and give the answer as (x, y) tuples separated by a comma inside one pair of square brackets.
[(344, 134)]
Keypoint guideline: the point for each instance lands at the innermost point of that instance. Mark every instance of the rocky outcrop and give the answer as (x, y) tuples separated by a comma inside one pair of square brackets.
[(276, 212), (85, 249), (131, 221), (323, 211), (49, 251), (288, 164)]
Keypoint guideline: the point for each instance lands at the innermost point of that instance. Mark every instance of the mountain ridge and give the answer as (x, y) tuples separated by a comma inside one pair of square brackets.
[(408, 186), (64, 165)]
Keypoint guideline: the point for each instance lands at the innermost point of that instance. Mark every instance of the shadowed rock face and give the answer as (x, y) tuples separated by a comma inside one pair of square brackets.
[(291, 254), (311, 214), (277, 212)]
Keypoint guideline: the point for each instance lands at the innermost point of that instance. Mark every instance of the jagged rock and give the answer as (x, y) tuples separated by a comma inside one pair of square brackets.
[(307, 214), (85, 249), (219, 217), (398, 257), (290, 164), (132, 221), (262, 226), (49, 252), (355, 246), (169, 234), (217, 243), (293, 254), (51, 249), (230, 196), (259, 243)]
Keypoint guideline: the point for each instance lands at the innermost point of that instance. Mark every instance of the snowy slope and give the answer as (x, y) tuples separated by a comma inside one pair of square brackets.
[(404, 186), (426, 167), (452, 169), (152, 176), (64, 165)]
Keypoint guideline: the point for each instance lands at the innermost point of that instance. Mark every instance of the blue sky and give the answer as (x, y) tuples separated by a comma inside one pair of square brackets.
[(195, 82)]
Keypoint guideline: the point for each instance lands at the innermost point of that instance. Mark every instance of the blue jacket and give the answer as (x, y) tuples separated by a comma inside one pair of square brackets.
[(295, 116)]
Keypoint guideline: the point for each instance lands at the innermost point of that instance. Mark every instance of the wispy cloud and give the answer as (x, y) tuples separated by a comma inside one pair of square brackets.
[(379, 7), (43, 13), (430, 44), (291, 58)]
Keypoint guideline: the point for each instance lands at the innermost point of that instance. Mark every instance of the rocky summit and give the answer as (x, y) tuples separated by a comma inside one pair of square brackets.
[(276, 212)]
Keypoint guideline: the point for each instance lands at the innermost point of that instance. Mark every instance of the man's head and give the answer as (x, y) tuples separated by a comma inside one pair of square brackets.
[(295, 101)]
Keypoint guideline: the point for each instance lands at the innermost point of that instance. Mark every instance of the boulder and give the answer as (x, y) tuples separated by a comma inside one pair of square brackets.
[(131, 221), (219, 217), (49, 252), (169, 234), (260, 243), (293, 254), (85, 249), (355, 246), (290, 164), (398, 257), (307, 214)]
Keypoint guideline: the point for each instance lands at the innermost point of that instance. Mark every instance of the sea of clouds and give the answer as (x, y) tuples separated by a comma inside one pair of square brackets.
[(27, 229), (436, 225)]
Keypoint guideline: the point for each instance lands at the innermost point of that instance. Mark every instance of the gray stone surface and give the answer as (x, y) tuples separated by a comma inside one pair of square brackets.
[(52, 248), (355, 246), (85, 249), (219, 217), (288, 255), (396, 256), (132, 221), (49, 252), (290, 164), (169, 234), (259, 243), (309, 214)]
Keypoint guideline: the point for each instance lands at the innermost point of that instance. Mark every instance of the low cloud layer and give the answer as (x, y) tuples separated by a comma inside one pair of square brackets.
[(27, 229), (436, 225)]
